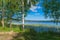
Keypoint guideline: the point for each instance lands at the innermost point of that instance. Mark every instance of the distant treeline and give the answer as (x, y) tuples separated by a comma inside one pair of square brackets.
[(41, 21)]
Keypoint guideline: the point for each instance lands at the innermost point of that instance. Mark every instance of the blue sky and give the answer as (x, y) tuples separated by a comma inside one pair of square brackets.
[(36, 13)]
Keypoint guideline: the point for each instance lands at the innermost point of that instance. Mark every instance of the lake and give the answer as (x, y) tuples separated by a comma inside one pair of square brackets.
[(48, 23), (39, 29)]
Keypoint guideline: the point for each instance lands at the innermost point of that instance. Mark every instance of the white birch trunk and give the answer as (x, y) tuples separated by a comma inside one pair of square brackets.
[(23, 20), (23, 14)]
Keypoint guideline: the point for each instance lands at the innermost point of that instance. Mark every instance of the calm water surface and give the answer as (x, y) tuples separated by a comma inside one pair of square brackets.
[(39, 29), (48, 23)]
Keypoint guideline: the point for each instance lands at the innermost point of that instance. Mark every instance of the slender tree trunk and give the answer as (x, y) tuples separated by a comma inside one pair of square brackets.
[(23, 14), (2, 22), (3, 10), (2, 17), (10, 24), (23, 20)]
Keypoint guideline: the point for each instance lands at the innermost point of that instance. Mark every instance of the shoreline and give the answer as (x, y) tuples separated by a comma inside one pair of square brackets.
[(43, 25)]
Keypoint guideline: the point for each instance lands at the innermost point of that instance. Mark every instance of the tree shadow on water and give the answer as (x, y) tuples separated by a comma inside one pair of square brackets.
[(31, 34), (27, 35)]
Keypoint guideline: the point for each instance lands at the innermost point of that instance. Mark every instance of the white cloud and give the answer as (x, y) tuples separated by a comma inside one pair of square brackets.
[(33, 8)]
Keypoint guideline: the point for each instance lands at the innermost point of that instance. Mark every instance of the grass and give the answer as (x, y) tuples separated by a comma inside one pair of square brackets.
[(7, 29)]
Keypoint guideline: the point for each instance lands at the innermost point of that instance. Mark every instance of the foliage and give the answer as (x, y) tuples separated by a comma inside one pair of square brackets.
[(52, 9), (13, 7)]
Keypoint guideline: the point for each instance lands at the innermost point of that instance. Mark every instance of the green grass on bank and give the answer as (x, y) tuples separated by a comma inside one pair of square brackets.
[(7, 29)]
